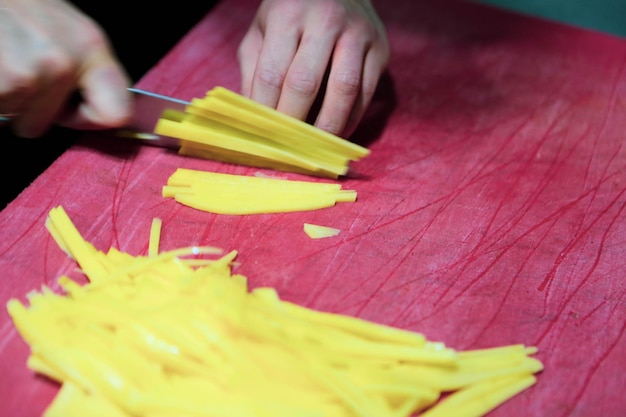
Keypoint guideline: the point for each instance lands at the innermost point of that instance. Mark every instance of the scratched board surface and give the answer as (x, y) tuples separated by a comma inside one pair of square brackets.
[(491, 210)]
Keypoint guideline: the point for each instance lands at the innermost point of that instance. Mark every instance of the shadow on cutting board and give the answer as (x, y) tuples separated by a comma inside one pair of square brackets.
[(376, 116)]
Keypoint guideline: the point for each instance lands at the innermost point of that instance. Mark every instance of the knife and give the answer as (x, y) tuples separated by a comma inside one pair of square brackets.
[(148, 107)]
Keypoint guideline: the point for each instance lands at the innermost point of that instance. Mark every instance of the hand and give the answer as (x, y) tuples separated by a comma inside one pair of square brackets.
[(49, 51), (293, 45)]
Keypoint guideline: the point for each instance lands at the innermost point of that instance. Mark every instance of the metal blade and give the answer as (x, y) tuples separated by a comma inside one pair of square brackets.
[(148, 108)]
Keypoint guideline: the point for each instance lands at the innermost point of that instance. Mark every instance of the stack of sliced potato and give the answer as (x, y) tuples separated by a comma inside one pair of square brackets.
[(229, 127), (166, 335), (242, 194)]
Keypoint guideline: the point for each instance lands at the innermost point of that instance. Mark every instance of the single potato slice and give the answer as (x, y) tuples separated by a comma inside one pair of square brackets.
[(315, 231)]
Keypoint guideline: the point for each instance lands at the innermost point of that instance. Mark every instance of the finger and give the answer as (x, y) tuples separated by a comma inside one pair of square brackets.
[(248, 55), (18, 80), (305, 74), (343, 86), (373, 68), (56, 85), (18, 83), (15, 90), (280, 44), (106, 100)]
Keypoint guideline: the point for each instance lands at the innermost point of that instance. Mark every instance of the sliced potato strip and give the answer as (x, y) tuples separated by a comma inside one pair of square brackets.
[(155, 236), (315, 231), (155, 336), (228, 127), (239, 194)]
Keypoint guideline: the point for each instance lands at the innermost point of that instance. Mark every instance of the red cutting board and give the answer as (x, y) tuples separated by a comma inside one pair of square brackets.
[(491, 210)]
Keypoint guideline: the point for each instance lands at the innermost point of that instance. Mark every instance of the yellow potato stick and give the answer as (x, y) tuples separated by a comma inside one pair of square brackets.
[(262, 129), (40, 366), (233, 143), (71, 241), (236, 205), (228, 127), (176, 333), (239, 194), (155, 237), (345, 196), (315, 231), (253, 107), (300, 143), (351, 325), (249, 131), (184, 176), (479, 399), (188, 148), (72, 401)]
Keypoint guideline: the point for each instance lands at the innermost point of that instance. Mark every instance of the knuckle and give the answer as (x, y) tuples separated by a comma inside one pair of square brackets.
[(289, 10), (57, 64), (92, 35), (347, 83), (302, 83), (363, 28), (271, 78), (333, 10), (18, 83), (93, 42)]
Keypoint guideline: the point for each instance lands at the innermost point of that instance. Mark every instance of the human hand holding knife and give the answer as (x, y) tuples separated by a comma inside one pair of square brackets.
[(147, 107)]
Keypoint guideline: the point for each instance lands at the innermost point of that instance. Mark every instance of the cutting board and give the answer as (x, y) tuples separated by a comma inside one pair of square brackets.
[(490, 211)]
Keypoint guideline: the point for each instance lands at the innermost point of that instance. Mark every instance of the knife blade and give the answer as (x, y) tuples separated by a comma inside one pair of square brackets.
[(148, 107)]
